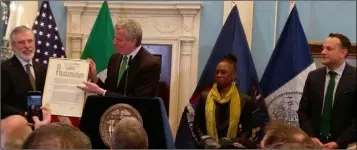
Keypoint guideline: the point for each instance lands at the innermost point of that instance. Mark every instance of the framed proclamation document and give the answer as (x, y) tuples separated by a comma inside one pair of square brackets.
[(60, 93)]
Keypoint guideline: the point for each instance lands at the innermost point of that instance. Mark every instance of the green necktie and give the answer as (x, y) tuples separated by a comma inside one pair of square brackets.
[(325, 125), (122, 69)]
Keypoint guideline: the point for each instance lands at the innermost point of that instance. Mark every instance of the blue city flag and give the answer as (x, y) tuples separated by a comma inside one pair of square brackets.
[(231, 39), (48, 41), (284, 78)]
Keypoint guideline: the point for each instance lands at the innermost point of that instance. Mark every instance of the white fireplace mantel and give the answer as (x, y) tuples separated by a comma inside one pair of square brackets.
[(175, 22)]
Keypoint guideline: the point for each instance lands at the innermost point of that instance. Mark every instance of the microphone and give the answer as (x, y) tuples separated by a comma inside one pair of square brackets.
[(127, 75)]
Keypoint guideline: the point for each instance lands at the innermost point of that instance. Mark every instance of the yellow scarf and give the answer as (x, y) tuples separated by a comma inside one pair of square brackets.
[(234, 110)]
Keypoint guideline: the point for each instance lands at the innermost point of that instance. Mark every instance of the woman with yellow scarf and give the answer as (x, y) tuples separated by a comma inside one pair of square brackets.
[(223, 112)]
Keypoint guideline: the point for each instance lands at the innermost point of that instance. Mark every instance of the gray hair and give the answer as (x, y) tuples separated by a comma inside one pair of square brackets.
[(16, 30), (293, 145), (351, 146), (129, 133), (57, 136), (132, 30), (14, 131)]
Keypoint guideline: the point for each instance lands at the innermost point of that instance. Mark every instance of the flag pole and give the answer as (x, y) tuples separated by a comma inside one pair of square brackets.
[(234, 3), (292, 4), (275, 23)]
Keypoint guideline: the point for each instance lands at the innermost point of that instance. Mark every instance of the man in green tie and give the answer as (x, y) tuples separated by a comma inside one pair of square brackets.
[(327, 111), (132, 71)]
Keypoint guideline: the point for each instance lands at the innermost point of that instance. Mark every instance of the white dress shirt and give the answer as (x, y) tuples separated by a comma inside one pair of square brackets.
[(24, 63), (132, 54)]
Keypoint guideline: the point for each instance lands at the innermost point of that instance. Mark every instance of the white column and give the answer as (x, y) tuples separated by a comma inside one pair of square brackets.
[(187, 41), (30, 9), (74, 33), (75, 47), (190, 31), (75, 19), (27, 17), (188, 16), (246, 9), (185, 74)]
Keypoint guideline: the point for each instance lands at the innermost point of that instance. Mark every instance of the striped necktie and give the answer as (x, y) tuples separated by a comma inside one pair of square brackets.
[(32, 79)]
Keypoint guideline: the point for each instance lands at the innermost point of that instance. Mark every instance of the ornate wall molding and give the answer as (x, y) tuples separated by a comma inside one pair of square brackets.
[(164, 25), (175, 23), (136, 7)]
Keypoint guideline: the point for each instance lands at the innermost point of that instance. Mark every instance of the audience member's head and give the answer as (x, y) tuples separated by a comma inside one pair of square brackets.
[(280, 132), (14, 131), (129, 133), (293, 145), (352, 146), (57, 136)]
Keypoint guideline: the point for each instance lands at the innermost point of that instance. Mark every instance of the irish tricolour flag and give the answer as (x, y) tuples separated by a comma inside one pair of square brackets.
[(99, 46)]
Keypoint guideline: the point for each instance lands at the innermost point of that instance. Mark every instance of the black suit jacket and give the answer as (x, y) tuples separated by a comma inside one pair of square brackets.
[(343, 126), (143, 76), (222, 117), (15, 85)]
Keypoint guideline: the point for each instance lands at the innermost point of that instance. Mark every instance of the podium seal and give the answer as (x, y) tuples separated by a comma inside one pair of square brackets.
[(112, 116)]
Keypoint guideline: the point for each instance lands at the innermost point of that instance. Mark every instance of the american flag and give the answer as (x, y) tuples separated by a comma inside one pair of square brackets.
[(48, 41), (49, 44)]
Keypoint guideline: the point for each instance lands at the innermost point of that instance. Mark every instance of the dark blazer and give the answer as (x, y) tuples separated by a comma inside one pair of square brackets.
[(15, 85), (143, 76), (343, 127), (222, 117)]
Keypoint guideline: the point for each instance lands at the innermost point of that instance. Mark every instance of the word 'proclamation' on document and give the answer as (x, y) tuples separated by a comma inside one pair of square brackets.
[(61, 94)]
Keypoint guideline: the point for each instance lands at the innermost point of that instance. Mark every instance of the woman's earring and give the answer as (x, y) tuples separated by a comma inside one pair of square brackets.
[(236, 82)]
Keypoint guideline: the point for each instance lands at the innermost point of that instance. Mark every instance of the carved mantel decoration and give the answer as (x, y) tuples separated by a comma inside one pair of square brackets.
[(175, 23)]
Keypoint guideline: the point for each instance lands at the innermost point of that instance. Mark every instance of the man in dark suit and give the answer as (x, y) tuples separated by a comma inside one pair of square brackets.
[(327, 111), (20, 74), (132, 71)]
